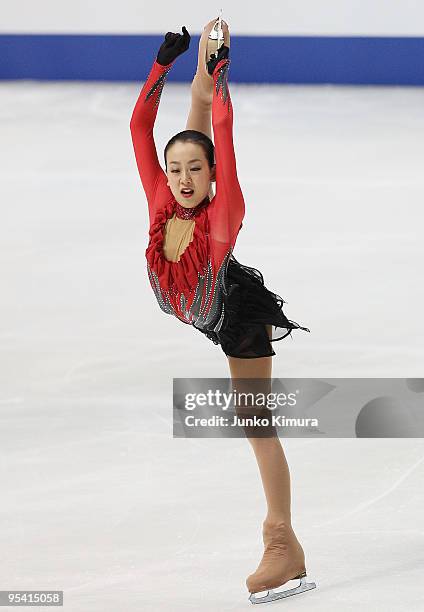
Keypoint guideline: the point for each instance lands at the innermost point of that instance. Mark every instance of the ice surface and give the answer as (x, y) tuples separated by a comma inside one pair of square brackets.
[(97, 498)]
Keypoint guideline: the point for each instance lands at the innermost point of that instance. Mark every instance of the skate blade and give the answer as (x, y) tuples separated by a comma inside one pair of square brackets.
[(273, 595), (216, 33), (215, 38)]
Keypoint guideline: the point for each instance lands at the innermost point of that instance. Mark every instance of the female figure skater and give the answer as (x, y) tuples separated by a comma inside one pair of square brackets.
[(195, 276)]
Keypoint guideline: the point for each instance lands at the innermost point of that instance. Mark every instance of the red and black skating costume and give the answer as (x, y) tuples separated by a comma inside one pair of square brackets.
[(207, 288)]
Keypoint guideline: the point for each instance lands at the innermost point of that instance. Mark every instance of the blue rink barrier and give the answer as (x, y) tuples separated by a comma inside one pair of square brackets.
[(255, 59)]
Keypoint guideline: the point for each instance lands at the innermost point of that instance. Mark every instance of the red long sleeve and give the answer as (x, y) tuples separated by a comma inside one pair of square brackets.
[(190, 289), (226, 210), (142, 121)]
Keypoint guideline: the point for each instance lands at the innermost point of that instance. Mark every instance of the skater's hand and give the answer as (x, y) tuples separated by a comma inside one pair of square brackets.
[(223, 53), (173, 46)]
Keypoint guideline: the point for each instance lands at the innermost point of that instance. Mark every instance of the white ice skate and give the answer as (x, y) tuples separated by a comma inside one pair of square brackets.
[(215, 38), (274, 594)]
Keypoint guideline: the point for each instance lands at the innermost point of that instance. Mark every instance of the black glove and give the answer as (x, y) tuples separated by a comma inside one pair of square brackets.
[(223, 53), (173, 46)]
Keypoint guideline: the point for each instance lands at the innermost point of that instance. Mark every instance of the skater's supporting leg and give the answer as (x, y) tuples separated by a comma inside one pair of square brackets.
[(269, 453), (283, 557), (275, 477)]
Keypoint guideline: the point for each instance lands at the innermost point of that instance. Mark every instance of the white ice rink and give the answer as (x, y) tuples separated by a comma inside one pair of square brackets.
[(97, 498)]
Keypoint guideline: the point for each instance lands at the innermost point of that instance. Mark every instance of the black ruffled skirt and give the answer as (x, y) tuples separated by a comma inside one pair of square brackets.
[(253, 315)]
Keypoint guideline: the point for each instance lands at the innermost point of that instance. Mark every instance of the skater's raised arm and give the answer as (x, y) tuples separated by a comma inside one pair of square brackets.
[(229, 206), (141, 125), (144, 116)]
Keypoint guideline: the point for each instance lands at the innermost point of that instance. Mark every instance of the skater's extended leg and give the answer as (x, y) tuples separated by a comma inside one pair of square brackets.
[(200, 113)]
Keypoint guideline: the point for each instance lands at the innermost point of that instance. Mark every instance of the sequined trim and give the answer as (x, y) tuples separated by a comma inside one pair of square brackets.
[(158, 85), (164, 303), (222, 82), (207, 305), (189, 213)]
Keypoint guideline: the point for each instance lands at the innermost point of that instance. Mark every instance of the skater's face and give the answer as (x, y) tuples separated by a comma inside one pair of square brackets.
[(188, 168)]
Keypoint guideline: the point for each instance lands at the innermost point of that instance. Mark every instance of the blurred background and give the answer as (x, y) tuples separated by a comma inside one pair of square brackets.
[(293, 41)]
